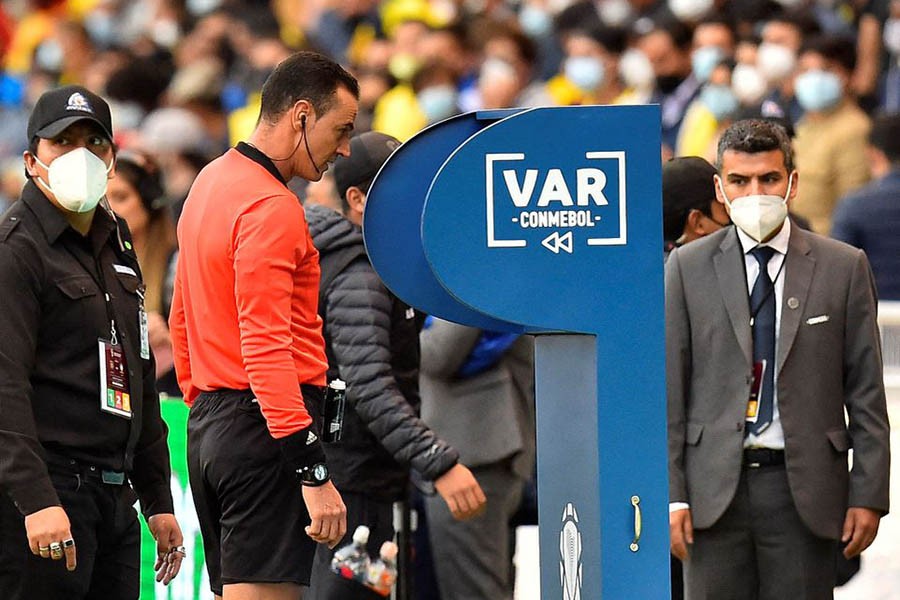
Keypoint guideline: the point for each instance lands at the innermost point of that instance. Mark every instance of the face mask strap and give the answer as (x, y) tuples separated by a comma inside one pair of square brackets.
[(787, 194), (785, 198), (722, 189), (38, 178)]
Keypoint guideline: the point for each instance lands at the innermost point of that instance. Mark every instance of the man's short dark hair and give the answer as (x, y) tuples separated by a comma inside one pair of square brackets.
[(304, 76), (801, 19), (885, 135), (835, 48), (756, 135), (678, 32)]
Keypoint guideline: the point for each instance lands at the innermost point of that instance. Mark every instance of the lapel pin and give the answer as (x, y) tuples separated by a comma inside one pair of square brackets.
[(793, 302)]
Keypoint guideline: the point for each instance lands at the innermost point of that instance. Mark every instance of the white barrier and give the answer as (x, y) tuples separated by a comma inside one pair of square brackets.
[(889, 322)]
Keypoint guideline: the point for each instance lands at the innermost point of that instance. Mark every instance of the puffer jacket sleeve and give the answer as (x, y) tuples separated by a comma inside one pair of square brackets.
[(358, 313)]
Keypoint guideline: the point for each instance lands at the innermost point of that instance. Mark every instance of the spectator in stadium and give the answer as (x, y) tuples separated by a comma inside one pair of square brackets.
[(870, 217), (136, 194), (831, 136)]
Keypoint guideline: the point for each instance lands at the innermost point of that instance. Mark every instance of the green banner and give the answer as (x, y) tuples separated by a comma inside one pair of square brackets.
[(193, 582)]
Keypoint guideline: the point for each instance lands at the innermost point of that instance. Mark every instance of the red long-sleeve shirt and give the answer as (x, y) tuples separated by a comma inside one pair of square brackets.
[(244, 314)]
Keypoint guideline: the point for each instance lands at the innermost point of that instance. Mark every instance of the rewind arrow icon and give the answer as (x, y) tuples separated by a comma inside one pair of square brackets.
[(555, 242)]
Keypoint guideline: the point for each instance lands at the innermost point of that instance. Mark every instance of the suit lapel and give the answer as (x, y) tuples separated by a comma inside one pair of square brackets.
[(733, 285), (798, 273)]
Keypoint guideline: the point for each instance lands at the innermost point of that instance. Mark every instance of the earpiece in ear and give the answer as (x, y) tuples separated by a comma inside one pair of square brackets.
[(303, 120)]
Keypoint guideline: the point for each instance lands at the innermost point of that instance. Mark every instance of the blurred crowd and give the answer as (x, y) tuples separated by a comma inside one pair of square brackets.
[(183, 76), (183, 80)]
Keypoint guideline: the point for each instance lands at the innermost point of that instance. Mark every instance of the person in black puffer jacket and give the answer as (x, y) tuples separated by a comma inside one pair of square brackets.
[(371, 339)]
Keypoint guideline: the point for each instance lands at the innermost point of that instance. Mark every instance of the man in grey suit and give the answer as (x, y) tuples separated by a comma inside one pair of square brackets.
[(771, 336), (477, 392)]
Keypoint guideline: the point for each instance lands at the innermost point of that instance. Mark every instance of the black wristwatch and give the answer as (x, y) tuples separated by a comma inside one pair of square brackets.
[(314, 475)]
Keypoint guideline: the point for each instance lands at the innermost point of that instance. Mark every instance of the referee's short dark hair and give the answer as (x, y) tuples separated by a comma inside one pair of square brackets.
[(304, 76)]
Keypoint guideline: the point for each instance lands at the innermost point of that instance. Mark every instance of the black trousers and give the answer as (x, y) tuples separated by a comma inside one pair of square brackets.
[(107, 542), (760, 549)]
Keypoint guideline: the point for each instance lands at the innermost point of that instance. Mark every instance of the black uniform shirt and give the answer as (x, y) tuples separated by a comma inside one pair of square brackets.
[(52, 313)]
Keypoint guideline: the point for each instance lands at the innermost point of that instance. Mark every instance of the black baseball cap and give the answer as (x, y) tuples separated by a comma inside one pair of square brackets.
[(688, 179), (58, 108), (687, 183), (368, 151)]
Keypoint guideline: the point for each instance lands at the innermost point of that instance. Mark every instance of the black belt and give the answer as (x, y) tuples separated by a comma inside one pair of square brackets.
[(67, 466), (762, 457)]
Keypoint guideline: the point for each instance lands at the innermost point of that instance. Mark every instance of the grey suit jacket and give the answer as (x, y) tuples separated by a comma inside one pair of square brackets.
[(488, 417), (824, 366)]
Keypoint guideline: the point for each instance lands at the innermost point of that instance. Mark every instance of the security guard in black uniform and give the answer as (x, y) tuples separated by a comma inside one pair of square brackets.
[(81, 436)]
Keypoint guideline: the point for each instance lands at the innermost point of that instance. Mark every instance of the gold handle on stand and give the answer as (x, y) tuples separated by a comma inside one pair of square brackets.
[(636, 503)]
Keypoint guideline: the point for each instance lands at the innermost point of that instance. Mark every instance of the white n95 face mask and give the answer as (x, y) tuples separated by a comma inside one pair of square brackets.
[(758, 215), (77, 179), (775, 62), (748, 84)]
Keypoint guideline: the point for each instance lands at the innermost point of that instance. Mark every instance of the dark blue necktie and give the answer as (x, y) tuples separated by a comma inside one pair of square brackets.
[(762, 309)]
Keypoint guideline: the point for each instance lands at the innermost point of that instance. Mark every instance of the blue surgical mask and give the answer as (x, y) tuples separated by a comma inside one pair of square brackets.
[(720, 100), (49, 55), (536, 22), (818, 90), (438, 102), (586, 72), (101, 27), (201, 7), (704, 60)]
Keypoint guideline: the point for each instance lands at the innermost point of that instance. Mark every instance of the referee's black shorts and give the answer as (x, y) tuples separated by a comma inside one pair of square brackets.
[(249, 504)]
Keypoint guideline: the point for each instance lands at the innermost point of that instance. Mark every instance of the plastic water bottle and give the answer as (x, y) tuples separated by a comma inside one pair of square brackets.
[(352, 561), (335, 400), (383, 571)]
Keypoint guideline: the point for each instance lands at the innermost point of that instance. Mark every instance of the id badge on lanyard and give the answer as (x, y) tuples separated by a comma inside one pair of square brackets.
[(143, 326), (115, 398), (759, 370)]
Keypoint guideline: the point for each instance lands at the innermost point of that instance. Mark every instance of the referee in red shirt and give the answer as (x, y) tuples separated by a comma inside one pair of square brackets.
[(249, 352)]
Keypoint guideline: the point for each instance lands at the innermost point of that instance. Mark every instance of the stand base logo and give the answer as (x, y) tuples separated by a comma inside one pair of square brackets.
[(570, 554)]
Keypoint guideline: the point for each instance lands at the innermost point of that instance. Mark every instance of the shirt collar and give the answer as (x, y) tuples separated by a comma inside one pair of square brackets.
[(49, 217), (779, 242), (257, 156)]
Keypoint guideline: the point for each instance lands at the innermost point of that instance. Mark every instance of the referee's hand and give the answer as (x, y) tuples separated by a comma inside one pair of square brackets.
[(327, 513)]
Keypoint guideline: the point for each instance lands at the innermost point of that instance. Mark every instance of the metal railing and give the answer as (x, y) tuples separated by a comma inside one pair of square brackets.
[(889, 323)]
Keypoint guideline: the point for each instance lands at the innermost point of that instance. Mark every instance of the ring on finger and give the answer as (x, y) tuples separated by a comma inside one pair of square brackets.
[(44, 551), (56, 550)]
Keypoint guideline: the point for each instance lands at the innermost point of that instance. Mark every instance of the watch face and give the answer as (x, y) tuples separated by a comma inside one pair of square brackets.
[(320, 472)]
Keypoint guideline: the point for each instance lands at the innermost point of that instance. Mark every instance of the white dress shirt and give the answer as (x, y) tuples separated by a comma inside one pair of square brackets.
[(773, 435)]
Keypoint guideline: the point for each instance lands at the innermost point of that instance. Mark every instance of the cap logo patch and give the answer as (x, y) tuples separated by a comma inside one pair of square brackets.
[(78, 102)]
